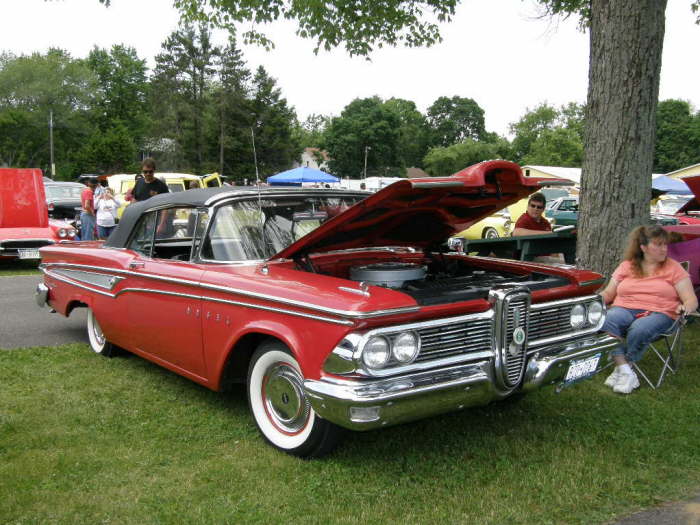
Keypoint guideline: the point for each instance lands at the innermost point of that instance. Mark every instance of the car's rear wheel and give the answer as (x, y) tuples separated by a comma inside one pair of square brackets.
[(280, 407), (490, 233), (98, 343)]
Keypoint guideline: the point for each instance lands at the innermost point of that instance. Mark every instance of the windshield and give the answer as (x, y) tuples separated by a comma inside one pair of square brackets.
[(63, 192), (254, 230)]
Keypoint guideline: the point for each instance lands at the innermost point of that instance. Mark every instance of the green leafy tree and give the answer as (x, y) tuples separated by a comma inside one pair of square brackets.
[(121, 89), (556, 147), (533, 123), (414, 133), (677, 136), (441, 162), (273, 124), (230, 130), (33, 87), (454, 120), (310, 132), (359, 25), (179, 92), (366, 129)]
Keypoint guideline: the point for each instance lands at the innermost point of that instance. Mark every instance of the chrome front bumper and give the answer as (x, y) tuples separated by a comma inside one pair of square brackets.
[(373, 403)]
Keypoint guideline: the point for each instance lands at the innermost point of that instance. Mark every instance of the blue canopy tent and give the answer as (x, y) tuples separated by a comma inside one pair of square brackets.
[(670, 186), (296, 176)]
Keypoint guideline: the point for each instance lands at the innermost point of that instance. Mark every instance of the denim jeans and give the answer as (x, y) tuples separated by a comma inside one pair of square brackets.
[(87, 227), (104, 231), (640, 331)]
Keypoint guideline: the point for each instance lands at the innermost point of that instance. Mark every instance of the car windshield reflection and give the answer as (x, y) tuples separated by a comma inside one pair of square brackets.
[(258, 229)]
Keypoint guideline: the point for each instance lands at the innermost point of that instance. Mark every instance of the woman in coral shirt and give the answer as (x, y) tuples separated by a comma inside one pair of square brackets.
[(648, 291)]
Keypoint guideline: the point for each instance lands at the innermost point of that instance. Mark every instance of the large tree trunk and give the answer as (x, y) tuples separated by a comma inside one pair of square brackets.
[(626, 39)]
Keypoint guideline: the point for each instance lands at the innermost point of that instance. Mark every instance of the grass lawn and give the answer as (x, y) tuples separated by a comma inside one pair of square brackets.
[(84, 439), (10, 267)]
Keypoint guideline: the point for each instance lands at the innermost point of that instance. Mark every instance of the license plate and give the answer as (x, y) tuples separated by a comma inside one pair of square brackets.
[(28, 253), (582, 368)]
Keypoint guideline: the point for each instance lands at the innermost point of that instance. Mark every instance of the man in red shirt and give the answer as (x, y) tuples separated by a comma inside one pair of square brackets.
[(532, 222)]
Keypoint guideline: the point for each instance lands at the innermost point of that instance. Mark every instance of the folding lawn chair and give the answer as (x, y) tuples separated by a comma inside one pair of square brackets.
[(667, 348)]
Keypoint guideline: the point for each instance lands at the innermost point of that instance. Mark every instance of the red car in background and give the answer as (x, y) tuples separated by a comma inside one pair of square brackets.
[(689, 213), (24, 217)]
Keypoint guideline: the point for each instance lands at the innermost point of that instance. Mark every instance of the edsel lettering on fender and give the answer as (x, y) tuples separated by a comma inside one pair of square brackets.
[(336, 308)]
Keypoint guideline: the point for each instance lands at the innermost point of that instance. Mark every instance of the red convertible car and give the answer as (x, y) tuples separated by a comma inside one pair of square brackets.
[(24, 216), (337, 309)]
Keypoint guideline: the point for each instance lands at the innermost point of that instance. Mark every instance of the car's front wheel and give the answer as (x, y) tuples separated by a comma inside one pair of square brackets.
[(98, 343), (490, 233), (280, 407)]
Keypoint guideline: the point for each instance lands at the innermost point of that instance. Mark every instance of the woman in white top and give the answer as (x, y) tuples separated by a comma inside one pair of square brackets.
[(106, 207)]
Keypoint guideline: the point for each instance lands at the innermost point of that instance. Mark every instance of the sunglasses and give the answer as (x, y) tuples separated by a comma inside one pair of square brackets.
[(148, 172), (536, 206)]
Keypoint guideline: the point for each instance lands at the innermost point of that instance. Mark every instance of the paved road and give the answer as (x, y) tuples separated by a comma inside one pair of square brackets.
[(23, 323)]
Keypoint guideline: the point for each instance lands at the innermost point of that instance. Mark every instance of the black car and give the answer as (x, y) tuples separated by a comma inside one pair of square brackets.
[(63, 199)]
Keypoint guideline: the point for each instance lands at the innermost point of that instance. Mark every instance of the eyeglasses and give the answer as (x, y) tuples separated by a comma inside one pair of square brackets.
[(148, 172), (536, 206)]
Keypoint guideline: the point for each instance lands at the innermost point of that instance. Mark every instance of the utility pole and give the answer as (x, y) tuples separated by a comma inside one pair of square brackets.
[(53, 166), (364, 172)]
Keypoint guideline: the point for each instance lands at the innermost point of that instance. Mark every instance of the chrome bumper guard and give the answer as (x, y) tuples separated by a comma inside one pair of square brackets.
[(374, 403), (41, 294)]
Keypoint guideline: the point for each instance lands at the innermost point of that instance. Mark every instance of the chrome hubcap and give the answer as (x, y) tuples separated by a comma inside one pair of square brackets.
[(284, 398), (97, 332)]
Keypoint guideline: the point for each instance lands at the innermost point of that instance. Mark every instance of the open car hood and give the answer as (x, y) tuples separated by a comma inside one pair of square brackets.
[(421, 213), (693, 204)]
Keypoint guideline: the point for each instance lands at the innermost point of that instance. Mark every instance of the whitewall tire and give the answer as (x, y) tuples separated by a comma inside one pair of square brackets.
[(98, 343), (280, 407)]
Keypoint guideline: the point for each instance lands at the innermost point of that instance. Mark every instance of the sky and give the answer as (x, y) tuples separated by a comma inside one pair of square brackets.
[(497, 52)]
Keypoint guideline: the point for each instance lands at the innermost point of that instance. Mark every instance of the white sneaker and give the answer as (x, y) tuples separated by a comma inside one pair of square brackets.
[(611, 381), (626, 382)]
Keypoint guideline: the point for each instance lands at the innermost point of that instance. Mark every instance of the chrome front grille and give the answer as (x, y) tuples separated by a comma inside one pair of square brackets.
[(514, 355), (453, 339), (550, 322)]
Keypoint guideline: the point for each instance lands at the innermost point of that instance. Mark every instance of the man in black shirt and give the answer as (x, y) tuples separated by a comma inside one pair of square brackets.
[(149, 185)]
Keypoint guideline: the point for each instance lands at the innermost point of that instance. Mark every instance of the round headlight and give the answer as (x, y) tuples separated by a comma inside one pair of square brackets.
[(405, 347), (595, 313), (71, 233), (578, 316), (62, 232), (376, 352)]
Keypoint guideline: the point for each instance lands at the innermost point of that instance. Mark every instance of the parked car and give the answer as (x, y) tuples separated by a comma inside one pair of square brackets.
[(176, 182), (63, 199), (492, 227), (564, 212), (334, 308), (24, 218)]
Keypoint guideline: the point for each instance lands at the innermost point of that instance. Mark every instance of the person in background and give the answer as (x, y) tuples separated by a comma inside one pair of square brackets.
[(648, 291), (150, 185), (532, 221), (87, 213), (106, 207)]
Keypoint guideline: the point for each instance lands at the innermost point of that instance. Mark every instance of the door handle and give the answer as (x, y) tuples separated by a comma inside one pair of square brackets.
[(136, 264)]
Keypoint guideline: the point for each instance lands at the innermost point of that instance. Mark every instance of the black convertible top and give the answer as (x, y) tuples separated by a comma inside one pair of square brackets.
[(204, 197)]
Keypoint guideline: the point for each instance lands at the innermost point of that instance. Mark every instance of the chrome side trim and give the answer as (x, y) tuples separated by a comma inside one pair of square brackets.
[(198, 297), (592, 282), (74, 283), (236, 303), (227, 289), (108, 282)]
